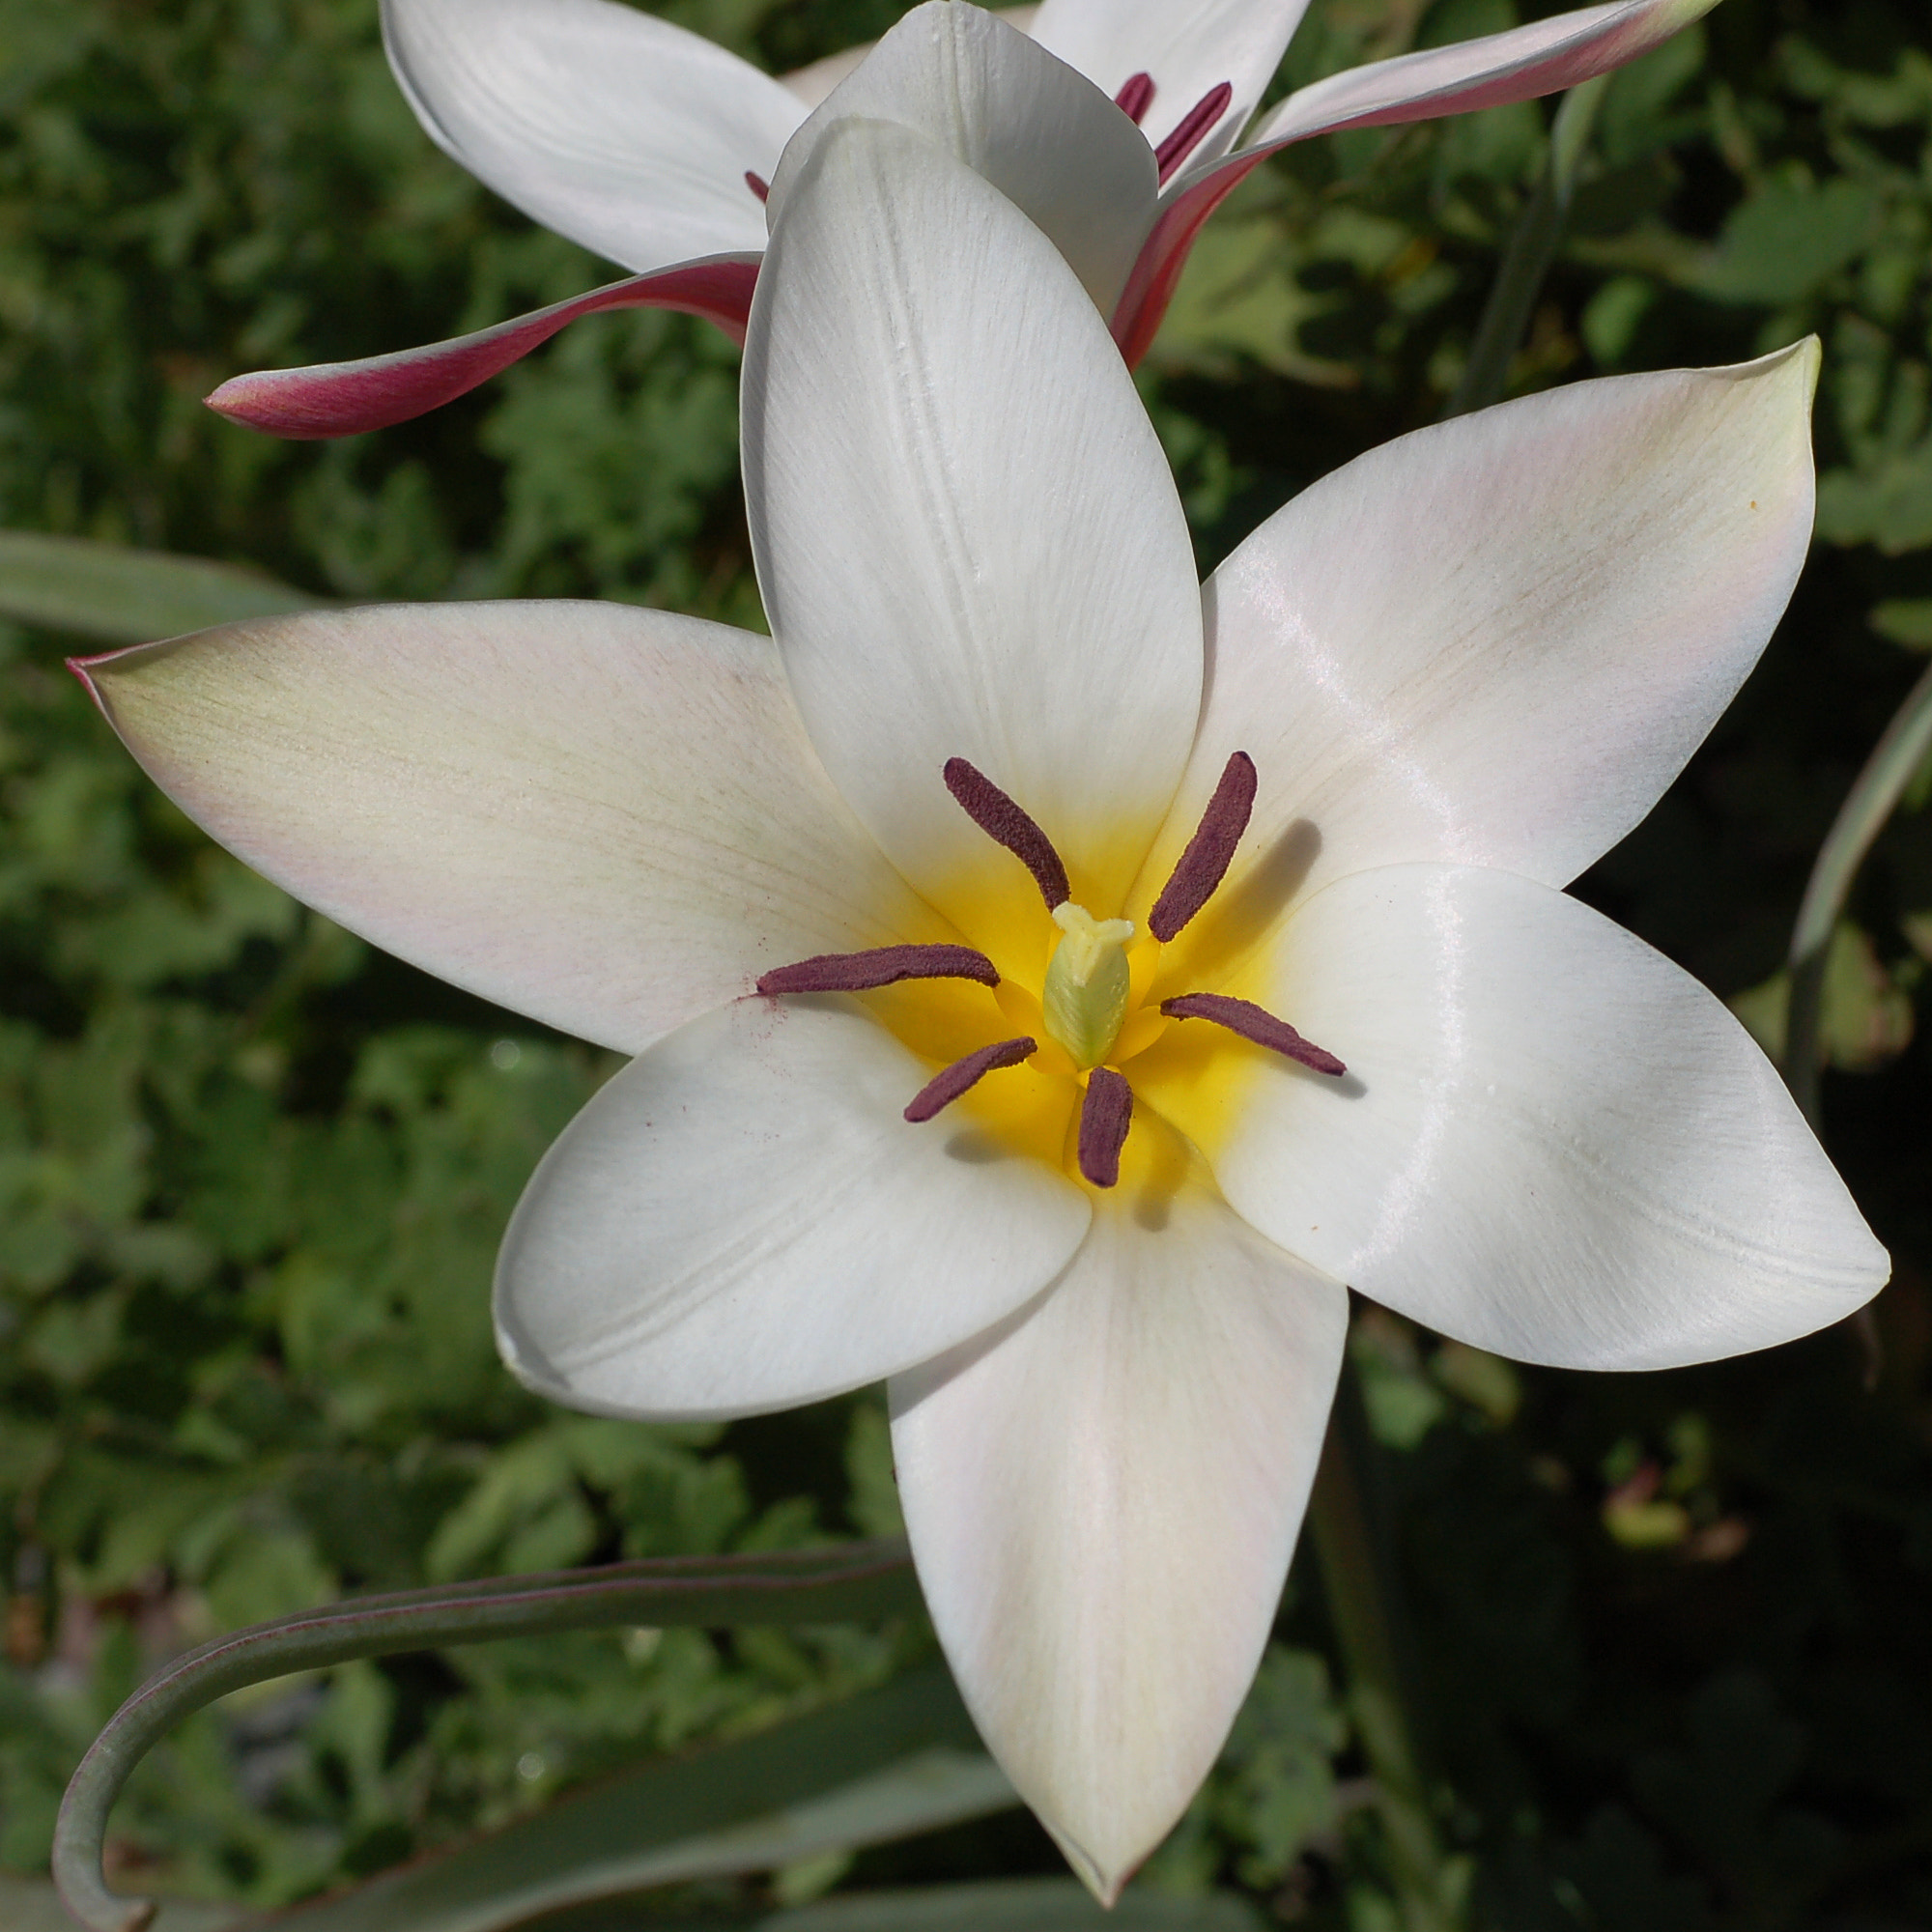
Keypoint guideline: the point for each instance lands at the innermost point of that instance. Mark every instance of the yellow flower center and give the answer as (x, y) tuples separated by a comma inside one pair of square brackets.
[(1091, 1011)]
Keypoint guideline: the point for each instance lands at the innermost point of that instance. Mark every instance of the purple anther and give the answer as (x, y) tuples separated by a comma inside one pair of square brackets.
[(1136, 97), (949, 1082), (882, 966), (1105, 1115), (759, 185), (1194, 126), (999, 818), (1255, 1023), (1210, 852)]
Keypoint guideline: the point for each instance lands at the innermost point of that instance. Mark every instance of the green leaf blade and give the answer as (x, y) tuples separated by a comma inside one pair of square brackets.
[(116, 596)]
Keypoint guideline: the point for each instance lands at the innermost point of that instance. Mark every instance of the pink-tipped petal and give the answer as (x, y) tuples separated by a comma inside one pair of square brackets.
[(1519, 65), (1156, 270), (346, 398)]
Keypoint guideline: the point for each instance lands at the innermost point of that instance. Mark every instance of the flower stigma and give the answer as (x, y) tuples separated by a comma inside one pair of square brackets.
[(1097, 1007), (1085, 997)]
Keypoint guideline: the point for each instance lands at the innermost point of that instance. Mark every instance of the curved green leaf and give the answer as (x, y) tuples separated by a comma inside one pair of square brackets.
[(884, 1765), (117, 596), (33, 1905), (854, 1580)]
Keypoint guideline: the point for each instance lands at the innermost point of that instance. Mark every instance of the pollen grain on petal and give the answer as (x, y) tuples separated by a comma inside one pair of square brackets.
[(1005, 820), (951, 1082), (1210, 852), (1136, 97), (1253, 1023), (880, 966), (1106, 1112), (1192, 129)]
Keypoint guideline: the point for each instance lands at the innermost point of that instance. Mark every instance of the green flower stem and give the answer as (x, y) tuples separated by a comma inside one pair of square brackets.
[(1531, 249), (1428, 1883), (1873, 799), (851, 1580)]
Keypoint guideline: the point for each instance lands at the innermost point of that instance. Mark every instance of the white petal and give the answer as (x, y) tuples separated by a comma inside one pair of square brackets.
[(1184, 47), (967, 535), (618, 129), (605, 817), (1102, 1498), (815, 82), (1518, 65), (1496, 641), (743, 1220), (1048, 139), (1550, 1142)]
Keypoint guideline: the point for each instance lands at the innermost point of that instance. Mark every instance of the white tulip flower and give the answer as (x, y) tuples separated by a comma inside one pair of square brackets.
[(1114, 127), (1050, 982)]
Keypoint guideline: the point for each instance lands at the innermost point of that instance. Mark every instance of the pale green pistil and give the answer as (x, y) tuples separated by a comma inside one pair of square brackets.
[(1085, 997)]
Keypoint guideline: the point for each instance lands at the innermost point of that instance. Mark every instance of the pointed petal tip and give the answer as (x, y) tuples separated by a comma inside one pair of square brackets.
[(87, 667), (83, 670), (1802, 359), (1105, 1877), (1106, 1886), (1810, 357), (238, 399), (260, 400), (1786, 379), (1814, 359)]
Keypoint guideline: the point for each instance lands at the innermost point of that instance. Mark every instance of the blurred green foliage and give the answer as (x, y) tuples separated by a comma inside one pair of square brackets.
[(1670, 1633)]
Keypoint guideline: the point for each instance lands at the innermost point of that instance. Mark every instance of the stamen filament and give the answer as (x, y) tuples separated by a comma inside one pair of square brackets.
[(1002, 819), (1192, 129), (1253, 1023), (949, 1082), (880, 966), (1210, 852), (1106, 1112), (1136, 97), (759, 185)]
